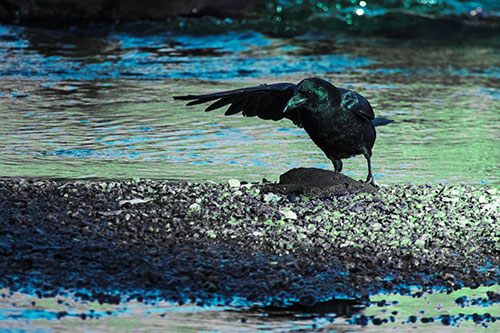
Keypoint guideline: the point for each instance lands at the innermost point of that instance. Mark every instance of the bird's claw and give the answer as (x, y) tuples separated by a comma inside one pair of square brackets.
[(370, 180)]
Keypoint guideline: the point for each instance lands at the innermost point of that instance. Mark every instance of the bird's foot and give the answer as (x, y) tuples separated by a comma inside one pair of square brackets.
[(370, 180)]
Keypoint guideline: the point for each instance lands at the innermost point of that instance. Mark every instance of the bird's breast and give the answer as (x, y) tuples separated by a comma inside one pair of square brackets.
[(339, 134)]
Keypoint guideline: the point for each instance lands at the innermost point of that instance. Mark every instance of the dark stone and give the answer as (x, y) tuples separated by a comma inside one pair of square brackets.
[(61, 314), (318, 183), (493, 296), (446, 320), (307, 299)]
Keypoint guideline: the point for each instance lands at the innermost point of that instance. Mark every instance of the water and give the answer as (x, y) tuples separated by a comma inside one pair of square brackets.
[(80, 105), (431, 312)]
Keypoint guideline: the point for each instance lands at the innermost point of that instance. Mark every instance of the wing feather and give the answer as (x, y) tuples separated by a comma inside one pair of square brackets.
[(220, 103), (254, 107), (264, 101), (235, 107), (199, 101)]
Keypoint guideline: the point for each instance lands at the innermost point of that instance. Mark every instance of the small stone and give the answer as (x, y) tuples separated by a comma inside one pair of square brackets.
[(270, 197), (134, 201), (420, 242), (211, 234), (405, 241), (347, 243), (234, 182), (195, 207), (492, 191), (307, 300)]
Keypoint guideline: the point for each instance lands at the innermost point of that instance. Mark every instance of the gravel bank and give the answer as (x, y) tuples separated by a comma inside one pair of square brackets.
[(216, 243)]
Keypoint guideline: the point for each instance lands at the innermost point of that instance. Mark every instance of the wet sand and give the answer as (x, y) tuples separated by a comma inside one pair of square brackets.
[(146, 239)]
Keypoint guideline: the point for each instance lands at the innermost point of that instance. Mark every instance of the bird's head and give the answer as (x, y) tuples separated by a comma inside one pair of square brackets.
[(312, 93)]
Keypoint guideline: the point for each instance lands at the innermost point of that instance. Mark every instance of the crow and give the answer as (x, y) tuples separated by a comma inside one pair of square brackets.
[(340, 122)]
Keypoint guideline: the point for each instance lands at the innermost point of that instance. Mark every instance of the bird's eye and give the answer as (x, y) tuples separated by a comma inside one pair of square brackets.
[(309, 92)]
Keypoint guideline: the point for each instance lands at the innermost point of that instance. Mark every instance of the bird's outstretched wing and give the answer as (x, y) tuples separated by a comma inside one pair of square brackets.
[(264, 101), (356, 103)]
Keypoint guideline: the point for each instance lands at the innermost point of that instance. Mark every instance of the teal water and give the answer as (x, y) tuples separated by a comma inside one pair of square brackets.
[(99, 105)]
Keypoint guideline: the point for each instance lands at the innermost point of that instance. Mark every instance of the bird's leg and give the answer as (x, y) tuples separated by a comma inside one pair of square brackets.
[(337, 164), (369, 178)]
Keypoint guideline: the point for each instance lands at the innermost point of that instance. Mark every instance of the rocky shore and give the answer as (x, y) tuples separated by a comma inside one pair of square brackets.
[(254, 244)]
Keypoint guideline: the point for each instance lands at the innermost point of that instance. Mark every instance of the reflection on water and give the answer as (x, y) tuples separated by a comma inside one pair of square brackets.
[(20, 311), (464, 309), (100, 105), (40, 54)]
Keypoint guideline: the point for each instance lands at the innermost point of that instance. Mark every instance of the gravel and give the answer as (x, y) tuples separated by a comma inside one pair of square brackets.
[(238, 243)]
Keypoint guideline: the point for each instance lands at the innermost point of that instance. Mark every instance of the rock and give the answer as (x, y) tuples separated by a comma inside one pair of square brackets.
[(318, 183), (134, 201), (234, 183), (195, 207), (289, 214), (270, 197), (420, 242)]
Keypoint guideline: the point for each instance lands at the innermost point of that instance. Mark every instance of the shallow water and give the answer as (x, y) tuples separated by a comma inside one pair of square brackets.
[(465, 309), (79, 105)]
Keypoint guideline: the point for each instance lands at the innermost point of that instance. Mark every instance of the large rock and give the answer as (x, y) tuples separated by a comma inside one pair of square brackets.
[(26, 11), (318, 182)]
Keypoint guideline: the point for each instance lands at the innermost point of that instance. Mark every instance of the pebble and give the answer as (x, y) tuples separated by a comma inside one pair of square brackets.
[(271, 197), (289, 214), (195, 207), (234, 182)]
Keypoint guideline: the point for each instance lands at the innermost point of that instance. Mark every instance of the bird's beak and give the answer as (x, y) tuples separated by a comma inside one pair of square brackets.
[(295, 102)]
